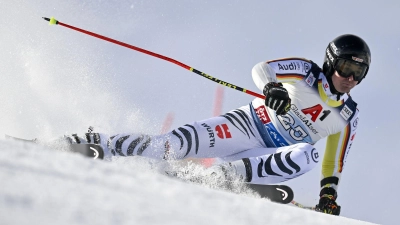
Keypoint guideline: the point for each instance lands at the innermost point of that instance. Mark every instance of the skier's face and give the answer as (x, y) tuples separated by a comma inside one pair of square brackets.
[(343, 84)]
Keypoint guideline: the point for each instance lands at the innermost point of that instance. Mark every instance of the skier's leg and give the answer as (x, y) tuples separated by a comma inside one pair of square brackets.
[(215, 137), (286, 163), (69, 141)]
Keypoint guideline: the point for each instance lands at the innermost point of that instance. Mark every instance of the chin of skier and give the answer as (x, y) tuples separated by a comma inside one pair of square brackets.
[(271, 141)]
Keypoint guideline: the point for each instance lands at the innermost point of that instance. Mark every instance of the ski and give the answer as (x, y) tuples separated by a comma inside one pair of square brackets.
[(276, 193), (90, 150), (20, 139)]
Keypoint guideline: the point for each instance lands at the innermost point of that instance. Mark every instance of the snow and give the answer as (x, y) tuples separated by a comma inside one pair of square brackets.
[(44, 186)]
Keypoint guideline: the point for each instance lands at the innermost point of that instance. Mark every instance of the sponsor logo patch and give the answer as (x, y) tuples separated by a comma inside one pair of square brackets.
[(262, 114), (211, 135), (289, 66), (326, 86), (333, 46), (357, 59), (355, 123), (307, 157), (346, 112), (310, 80), (223, 131), (314, 155), (167, 148), (329, 55), (306, 67)]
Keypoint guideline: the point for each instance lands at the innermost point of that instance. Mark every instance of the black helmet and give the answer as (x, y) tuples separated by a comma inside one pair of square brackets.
[(349, 55)]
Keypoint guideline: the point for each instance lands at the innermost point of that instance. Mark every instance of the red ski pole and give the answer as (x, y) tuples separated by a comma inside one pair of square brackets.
[(53, 21)]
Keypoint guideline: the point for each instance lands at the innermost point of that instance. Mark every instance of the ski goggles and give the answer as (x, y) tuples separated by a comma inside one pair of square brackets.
[(347, 68)]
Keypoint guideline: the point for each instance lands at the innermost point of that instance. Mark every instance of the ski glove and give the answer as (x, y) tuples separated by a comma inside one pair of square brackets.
[(277, 98), (327, 202)]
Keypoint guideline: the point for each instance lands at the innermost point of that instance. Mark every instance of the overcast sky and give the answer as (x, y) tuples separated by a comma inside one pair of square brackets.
[(57, 81)]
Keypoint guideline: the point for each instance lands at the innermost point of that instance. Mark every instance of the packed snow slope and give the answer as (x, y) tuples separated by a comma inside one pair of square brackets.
[(44, 186)]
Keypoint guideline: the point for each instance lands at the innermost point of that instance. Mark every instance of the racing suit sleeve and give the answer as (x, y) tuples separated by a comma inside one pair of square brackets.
[(262, 74), (286, 70), (337, 148)]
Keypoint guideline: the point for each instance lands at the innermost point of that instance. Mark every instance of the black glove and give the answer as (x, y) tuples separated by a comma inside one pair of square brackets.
[(327, 202), (277, 98)]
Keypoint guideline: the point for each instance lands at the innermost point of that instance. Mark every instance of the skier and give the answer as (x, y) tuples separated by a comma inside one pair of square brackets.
[(271, 140)]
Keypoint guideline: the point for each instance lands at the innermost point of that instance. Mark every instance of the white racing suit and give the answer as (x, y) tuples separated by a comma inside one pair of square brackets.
[(265, 148)]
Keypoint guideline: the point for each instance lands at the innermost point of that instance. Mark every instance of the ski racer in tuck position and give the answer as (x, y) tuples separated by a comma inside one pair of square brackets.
[(271, 140)]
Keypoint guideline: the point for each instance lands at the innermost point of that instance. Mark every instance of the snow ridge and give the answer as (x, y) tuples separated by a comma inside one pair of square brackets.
[(44, 186)]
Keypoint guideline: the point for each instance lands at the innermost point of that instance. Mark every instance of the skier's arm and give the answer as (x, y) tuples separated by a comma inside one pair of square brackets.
[(262, 74), (287, 70), (337, 148)]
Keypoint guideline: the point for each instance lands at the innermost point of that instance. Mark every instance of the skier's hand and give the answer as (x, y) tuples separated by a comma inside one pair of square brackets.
[(327, 202), (277, 98)]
